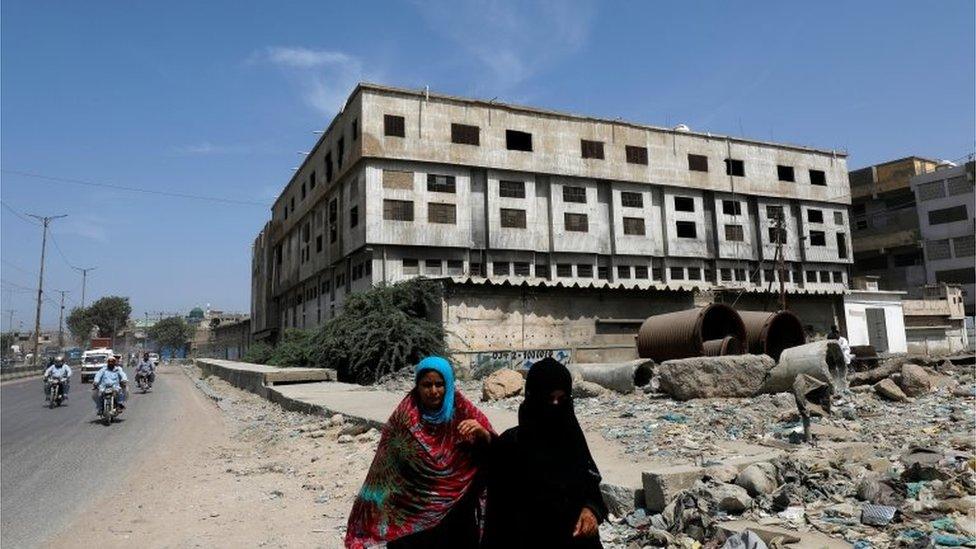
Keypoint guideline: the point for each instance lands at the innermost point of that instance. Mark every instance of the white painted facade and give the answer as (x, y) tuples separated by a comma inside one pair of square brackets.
[(861, 307)]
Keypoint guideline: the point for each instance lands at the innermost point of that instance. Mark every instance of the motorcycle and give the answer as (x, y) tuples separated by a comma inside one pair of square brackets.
[(144, 383), (55, 392), (109, 405)]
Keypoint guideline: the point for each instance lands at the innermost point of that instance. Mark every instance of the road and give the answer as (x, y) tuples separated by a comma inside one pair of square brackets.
[(56, 462)]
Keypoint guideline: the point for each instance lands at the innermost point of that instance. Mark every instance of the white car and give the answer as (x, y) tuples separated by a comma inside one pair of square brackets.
[(92, 361)]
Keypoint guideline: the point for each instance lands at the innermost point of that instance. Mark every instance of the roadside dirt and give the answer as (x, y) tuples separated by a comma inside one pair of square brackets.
[(236, 471)]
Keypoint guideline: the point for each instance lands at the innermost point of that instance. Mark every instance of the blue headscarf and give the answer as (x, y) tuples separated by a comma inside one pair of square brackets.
[(443, 367)]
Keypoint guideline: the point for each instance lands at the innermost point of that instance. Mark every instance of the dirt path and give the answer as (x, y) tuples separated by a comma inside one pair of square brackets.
[(238, 472)]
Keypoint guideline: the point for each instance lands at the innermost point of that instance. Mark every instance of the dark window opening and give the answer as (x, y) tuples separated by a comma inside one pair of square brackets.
[(909, 259), (318, 244), (731, 207), (574, 194), (353, 217), (303, 192), (818, 238), (603, 272), (328, 167), (592, 149), (410, 267), (584, 270), (311, 180), (576, 222), (634, 226), (657, 273), (441, 213), (636, 155), (818, 177), (694, 273), (518, 141), (785, 173), (686, 229), (512, 218), (814, 216), (511, 189), (542, 270), (564, 270), (735, 167), (623, 271), (697, 163), (841, 246), (500, 268), (956, 276), (464, 134), (631, 200), (398, 210), (393, 125), (441, 183), (684, 204), (677, 273), (948, 215), (340, 152), (355, 129), (455, 267), (734, 233), (521, 268), (774, 213), (640, 272)]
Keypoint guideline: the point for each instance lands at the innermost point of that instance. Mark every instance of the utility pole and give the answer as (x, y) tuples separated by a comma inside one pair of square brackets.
[(780, 263), (61, 322), (84, 280), (45, 221)]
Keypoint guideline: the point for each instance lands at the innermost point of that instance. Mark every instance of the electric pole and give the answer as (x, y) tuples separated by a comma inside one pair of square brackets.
[(84, 280), (45, 221), (61, 322), (780, 263)]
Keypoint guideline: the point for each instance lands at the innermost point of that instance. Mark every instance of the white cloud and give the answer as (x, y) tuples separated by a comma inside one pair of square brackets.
[(325, 77), (513, 40), (206, 148), (85, 225)]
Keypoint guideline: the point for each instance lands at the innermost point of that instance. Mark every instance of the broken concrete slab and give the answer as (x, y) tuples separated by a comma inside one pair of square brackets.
[(714, 376), (821, 360), (662, 483), (914, 380), (503, 383), (888, 389), (791, 538)]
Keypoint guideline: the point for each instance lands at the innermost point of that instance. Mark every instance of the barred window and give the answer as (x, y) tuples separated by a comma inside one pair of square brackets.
[(636, 155), (657, 273), (393, 125), (511, 189), (410, 267), (522, 268), (592, 149), (631, 200), (398, 210), (811, 276), (824, 276), (623, 271), (397, 179), (574, 194), (838, 277), (464, 134), (726, 275), (959, 185), (512, 218), (964, 246), (640, 272), (931, 191), (734, 233), (584, 270), (774, 212), (564, 270), (441, 213), (938, 249), (677, 273), (603, 272), (542, 270), (576, 222), (440, 183), (947, 215), (500, 268), (634, 226)]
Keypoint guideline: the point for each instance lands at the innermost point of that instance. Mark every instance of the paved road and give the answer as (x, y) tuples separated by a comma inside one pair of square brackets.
[(56, 461)]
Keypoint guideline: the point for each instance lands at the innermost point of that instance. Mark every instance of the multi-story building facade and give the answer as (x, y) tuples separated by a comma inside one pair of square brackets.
[(884, 221), (947, 227), (613, 219)]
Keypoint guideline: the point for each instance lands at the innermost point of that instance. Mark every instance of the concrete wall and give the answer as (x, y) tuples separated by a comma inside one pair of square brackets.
[(855, 307)]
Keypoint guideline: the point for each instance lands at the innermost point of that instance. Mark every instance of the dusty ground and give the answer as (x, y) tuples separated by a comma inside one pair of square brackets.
[(239, 472)]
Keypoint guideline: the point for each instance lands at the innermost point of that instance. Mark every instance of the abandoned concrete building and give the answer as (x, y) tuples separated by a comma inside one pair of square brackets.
[(551, 232)]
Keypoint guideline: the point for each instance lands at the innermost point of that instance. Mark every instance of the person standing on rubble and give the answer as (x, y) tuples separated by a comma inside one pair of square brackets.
[(845, 346), (543, 485), (421, 490)]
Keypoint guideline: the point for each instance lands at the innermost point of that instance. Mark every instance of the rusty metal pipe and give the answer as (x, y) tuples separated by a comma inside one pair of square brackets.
[(770, 333), (682, 334), (728, 345)]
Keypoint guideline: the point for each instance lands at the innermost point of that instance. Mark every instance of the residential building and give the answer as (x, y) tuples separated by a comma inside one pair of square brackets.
[(947, 224), (541, 224), (884, 222), (935, 323)]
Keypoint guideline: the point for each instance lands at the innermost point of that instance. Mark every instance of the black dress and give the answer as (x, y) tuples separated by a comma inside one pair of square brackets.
[(459, 529)]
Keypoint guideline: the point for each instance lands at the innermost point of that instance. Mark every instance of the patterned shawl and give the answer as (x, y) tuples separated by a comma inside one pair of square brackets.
[(421, 470)]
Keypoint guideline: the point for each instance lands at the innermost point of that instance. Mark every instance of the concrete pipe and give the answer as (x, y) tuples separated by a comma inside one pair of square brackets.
[(728, 345), (622, 377), (769, 333), (821, 360), (682, 334)]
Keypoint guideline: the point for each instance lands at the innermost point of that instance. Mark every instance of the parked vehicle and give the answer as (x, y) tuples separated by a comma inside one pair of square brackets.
[(110, 408), (92, 361), (56, 392)]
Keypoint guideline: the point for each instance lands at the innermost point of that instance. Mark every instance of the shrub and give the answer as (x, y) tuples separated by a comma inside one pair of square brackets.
[(258, 353), (294, 350)]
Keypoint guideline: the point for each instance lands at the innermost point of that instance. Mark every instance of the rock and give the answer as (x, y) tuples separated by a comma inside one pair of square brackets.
[(368, 436), (345, 439), (714, 376), (784, 401), (621, 500), (887, 388), (914, 380), (336, 420), (503, 383), (758, 478), (730, 498), (354, 429), (964, 391), (317, 434), (722, 473), (786, 496), (964, 505), (588, 389)]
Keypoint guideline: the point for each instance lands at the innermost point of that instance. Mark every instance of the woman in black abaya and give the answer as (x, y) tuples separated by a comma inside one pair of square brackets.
[(543, 486)]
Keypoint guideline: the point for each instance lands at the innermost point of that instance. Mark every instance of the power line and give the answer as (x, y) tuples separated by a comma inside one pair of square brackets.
[(61, 253), (18, 214), (54, 179)]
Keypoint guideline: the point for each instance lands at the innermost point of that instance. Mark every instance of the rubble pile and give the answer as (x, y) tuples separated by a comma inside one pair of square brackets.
[(878, 471)]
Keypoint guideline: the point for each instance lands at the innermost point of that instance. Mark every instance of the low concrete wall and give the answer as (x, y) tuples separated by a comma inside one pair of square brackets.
[(258, 378), (242, 379), (22, 372)]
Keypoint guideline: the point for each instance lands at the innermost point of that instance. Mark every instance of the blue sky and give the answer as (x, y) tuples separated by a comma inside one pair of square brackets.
[(215, 99)]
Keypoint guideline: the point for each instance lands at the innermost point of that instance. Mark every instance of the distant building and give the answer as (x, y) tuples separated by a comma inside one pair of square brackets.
[(884, 223), (545, 225), (935, 323), (947, 223)]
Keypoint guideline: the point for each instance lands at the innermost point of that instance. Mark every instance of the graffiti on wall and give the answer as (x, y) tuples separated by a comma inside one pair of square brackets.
[(485, 363)]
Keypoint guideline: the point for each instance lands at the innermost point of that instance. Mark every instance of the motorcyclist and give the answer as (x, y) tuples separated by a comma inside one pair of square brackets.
[(111, 375), (58, 370), (146, 368)]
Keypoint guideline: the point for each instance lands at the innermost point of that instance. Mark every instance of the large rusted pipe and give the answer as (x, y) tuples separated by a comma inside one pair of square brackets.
[(769, 333), (728, 345), (682, 334)]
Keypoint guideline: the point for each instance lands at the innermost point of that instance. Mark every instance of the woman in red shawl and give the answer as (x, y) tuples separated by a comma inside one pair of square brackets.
[(420, 490)]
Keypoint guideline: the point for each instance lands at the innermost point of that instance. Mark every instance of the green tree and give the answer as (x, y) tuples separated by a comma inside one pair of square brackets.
[(172, 332), (381, 330), (6, 340), (110, 313), (80, 325)]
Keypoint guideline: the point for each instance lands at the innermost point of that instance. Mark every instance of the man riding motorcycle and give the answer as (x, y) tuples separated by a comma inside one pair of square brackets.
[(57, 371), (146, 370), (111, 375)]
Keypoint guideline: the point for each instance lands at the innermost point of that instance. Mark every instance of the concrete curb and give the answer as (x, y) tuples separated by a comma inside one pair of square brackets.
[(10, 376)]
